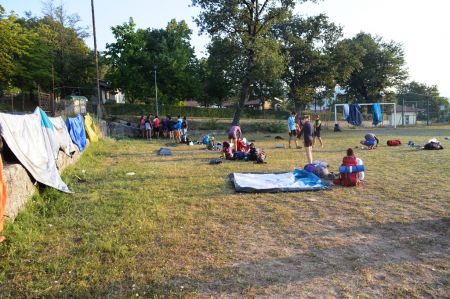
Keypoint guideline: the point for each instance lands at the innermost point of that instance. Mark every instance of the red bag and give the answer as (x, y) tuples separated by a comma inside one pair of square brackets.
[(348, 179), (394, 142)]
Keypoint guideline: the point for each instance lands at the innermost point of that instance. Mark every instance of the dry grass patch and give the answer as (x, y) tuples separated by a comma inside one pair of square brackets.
[(177, 228)]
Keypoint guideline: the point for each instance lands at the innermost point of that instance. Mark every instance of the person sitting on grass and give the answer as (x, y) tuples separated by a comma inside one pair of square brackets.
[(370, 140), (227, 150)]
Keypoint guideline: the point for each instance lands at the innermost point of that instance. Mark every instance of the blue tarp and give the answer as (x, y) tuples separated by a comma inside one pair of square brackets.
[(297, 180), (376, 114), (354, 117), (75, 125)]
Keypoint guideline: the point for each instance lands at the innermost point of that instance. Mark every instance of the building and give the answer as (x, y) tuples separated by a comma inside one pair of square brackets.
[(409, 113), (109, 95)]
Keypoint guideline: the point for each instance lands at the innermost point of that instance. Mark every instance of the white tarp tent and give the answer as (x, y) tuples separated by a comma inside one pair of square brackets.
[(298, 180), (25, 136), (62, 135)]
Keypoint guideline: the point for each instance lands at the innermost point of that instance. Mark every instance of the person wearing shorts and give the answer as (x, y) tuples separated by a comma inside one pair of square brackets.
[(307, 137), (317, 129), (292, 130), (156, 124)]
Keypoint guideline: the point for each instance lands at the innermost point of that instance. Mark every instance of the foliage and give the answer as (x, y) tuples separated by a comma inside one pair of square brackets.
[(137, 54), (37, 51), (381, 66), (246, 24), (308, 44)]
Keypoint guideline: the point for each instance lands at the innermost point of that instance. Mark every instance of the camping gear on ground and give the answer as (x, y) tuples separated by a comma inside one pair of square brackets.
[(260, 156), (241, 145), (25, 137), (75, 125), (433, 144), (361, 172), (447, 138), (278, 138), (319, 168), (62, 136), (337, 128), (279, 146), (216, 161), (165, 151), (354, 116), (377, 117), (88, 125), (297, 180), (394, 142), (238, 155), (349, 176)]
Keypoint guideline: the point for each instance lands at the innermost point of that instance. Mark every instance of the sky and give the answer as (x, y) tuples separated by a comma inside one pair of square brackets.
[(422, 27)]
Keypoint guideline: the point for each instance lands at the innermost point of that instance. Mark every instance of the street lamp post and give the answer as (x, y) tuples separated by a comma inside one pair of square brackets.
[(156, 92), (99, 107)]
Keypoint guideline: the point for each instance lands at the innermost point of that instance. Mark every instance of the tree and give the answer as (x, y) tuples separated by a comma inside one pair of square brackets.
[(137, 54), (247, 23), (14, 42), (309, 45), (381, 66), (423, 95)]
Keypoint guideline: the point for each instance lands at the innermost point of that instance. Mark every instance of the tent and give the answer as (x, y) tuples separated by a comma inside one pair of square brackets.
[(63, 136), (30, 138), (297, 180), (75, 125)]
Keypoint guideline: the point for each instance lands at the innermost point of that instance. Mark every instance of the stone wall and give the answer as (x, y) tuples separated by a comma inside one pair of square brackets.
[(21, 186)]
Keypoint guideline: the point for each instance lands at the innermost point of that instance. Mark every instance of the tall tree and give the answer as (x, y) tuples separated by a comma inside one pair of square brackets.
[(247, 23), (309, 45), (381, 66), (423, 95), (137, 54), (14, 42)]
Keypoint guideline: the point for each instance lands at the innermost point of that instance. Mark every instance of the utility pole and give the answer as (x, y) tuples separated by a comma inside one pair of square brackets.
[(99, 107), (156, 93)]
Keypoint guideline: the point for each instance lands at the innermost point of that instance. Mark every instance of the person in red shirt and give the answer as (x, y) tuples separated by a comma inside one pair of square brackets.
[(156, 124)]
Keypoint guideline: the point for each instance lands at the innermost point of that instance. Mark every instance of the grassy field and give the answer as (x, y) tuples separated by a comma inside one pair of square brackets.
[(177, 228)]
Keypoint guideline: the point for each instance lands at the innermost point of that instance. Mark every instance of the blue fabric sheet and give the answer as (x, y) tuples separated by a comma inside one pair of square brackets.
[(298, 180), (75, 126), (376, 114), (354, 117)]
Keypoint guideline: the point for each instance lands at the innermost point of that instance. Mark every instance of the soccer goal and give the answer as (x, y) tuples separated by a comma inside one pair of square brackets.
[(394, 115)]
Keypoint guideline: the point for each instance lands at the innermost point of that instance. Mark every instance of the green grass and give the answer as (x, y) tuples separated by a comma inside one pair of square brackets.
[(177, 229)]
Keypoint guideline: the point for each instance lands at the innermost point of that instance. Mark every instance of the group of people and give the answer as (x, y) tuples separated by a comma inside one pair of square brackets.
[(304, 128), (152, 127)]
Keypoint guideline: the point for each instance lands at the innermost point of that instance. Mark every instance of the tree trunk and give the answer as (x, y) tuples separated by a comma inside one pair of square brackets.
[(242, 98)]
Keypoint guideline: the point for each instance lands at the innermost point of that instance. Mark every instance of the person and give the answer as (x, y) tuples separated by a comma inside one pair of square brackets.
[(142, 125), (177, 128), (184, 126), (234, 134), (292, 130), (348, 177), (227, 151), (307, 137), (370, 140), (148, 127), (171, 127), (317, 128), (165, 127), (156, 124)]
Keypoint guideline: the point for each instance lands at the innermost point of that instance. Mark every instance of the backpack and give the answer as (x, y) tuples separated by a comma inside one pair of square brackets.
[(348, 178), (394, 142), (433, 146)]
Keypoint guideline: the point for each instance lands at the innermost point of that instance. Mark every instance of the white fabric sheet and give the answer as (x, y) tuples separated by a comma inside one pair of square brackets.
[(62, 136), (26, 139)]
